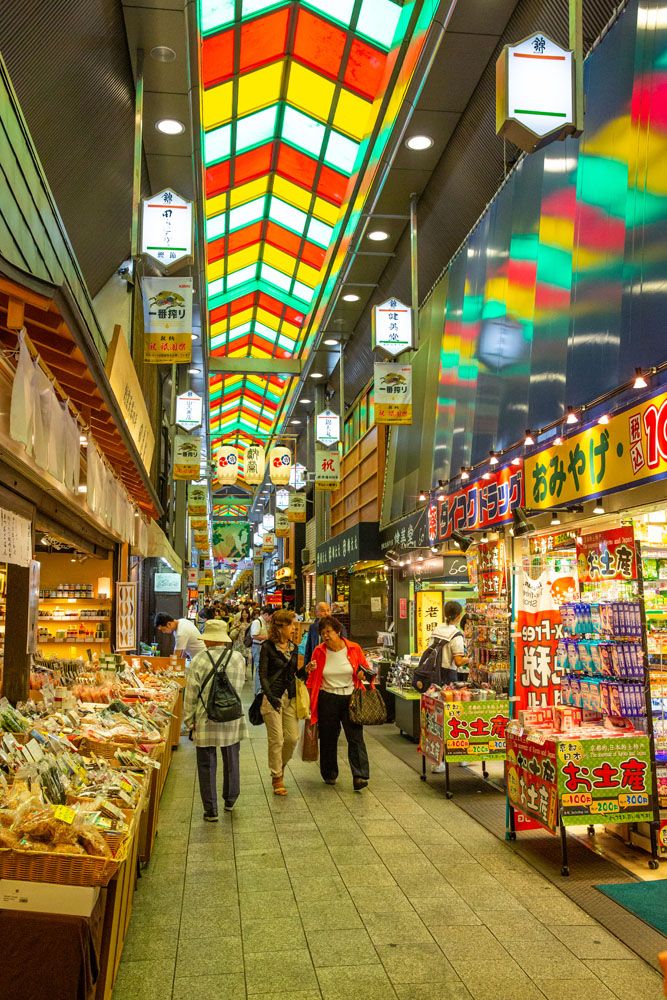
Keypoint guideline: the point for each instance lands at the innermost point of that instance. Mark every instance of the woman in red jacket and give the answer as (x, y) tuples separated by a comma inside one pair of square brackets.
[(336, 669)]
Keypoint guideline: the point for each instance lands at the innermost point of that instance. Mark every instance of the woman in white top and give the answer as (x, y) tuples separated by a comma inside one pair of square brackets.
[(454, 662)]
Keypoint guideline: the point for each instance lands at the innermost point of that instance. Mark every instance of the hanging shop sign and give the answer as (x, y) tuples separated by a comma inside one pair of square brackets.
[(327, 469), (167, 320), (129, 396), (15, 539), (199, 524), (269, 542), (280, 465), (296, 509), (539, 630), (409, 532), (475, 730), (283, 527), (392, 393), (535, 92), (166, 229), (268, 522), (189, 410), (227, 465), (432, 729), (197, 500), (298, 477), (607, 555), (357, 544), (492, 569), (327, 427), (628, 451), (282, 499), (254, 464), (483, 503), (193, 577), (392, 328), (126, 616), (610, 779), (531, 779), (231, 540), (429, 611), (187, 456)]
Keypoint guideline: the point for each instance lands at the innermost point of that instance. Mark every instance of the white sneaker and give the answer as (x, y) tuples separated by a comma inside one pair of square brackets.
[(440, 769)]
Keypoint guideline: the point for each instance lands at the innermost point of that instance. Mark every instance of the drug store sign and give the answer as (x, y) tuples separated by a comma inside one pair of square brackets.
[(483, 503)]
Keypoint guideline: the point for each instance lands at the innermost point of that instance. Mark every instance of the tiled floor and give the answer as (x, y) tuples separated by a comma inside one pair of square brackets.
[(332, 895)]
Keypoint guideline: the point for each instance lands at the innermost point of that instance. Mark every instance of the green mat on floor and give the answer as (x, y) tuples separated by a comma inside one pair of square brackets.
[(647, 900)]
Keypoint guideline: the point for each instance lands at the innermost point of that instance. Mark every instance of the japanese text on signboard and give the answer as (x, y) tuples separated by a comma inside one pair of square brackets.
[(482, 503)]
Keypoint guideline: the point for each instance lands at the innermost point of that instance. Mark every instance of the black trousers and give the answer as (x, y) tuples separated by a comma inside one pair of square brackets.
[(332, 713), (207, 770)]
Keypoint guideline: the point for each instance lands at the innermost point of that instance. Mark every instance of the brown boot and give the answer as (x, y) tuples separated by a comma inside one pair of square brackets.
[(278, 785)]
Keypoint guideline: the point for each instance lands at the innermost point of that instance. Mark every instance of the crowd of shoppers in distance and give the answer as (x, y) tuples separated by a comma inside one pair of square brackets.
[(332, 668)]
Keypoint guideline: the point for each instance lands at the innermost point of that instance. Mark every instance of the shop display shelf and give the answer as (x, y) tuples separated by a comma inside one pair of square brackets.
[(77, 618)]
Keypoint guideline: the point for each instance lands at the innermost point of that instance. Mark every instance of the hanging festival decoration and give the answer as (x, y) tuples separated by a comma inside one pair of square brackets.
[(280, 465), (254, 464), (227, 465)]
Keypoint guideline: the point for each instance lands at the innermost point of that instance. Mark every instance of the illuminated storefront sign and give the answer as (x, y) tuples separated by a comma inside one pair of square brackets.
[(482, 504)]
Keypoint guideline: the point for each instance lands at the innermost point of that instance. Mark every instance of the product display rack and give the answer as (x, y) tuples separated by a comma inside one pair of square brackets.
[(65, 612)]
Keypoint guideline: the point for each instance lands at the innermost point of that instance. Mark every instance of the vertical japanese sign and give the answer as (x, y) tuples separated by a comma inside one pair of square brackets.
[(608, 780), (283, 526), (166, 229), (392, 393), (392, 327), (432, 729), (167, 320), (327, 469), (539, 630), (129, 395), (254, 464), (197, 500), (483, 503), (475, 730), (327, 427), (531, 780), (630, 449), (492, 569), (268, 542), (189, 410), (429, 611), (187, 456), (296, 509), (607, 555)]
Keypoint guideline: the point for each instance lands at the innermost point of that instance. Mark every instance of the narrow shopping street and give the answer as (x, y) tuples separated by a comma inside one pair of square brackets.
[(393, 892)]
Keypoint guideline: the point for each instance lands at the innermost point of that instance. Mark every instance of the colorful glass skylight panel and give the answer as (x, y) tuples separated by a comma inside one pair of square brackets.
[(288, 100)]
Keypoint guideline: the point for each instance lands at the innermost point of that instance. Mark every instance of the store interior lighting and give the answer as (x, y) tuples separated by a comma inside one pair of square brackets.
[(422, 496), (572, 417), (604, 419), (170, 126), (463, 541), (555, 520), (419, 142), (378, 236), (599, 507), (350, 297), (640, 381), (529, 441)]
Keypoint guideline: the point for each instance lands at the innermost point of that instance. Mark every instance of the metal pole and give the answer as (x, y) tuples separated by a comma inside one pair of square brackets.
[(341, 377), (414, 260), (577, 46), (138, 144)]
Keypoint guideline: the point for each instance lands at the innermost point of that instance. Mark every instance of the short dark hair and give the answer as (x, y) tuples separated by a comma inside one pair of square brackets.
[(452, 611), (328, 621), (163, 618), (267, 609)]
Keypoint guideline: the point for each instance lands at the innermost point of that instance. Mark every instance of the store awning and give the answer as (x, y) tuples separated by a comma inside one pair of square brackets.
[(159, 547), (50, 317)]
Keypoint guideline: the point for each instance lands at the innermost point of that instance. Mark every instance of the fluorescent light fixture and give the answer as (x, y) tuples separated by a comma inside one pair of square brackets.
[(350, 297), (82, 488), (331, 343), (295, 422), (170, 126), (305, 401), (419, 142), (378, 236), (316, 375)]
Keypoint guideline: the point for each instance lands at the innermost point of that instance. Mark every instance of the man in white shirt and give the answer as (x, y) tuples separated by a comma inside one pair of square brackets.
[(187, 637)]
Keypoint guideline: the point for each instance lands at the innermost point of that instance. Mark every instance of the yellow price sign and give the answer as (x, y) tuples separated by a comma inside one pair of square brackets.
[(65, 814)]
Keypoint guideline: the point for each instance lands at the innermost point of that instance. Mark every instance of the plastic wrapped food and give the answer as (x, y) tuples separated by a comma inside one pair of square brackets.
[(92, 841)]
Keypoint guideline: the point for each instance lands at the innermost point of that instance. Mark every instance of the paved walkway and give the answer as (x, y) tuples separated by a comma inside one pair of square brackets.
[(332, 895)]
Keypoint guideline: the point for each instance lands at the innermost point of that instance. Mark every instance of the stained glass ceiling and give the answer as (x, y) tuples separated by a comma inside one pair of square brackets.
[(289, 97)]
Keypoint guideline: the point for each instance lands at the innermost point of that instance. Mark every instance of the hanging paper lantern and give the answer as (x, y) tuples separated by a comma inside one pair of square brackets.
[(254, 464), (280, 466), (227, 465)]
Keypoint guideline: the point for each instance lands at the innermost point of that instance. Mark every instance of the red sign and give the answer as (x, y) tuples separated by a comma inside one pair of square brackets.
[(483, 503), (539, 630), (531, 780), (276, 598), (402, 607), (607, 555)]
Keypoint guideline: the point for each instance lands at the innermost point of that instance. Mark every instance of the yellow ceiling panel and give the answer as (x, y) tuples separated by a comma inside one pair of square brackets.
[(249, 255), (216, 205), (215, 270), (246, 192), (268, 319), (259, 89), (238, 319), (310, 91), (352, 115), (277, 258), (217, 105), (291, 193), (309, 275)]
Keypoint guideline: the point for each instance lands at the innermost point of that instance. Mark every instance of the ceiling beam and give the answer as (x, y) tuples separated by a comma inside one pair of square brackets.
[(255, 366)]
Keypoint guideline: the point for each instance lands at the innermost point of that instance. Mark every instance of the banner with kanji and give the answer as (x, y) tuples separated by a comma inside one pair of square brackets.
[(187, 456), (431, 729), (197, 500), (167, 320), (475, 730), (392, 393), (327, 469), (482, 503), (531, 779), (607, 555), (429, 614), (231, 540), (539, 630), (605, 780)]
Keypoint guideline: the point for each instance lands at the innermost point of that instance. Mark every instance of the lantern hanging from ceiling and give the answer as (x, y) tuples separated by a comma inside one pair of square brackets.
[(227, 463), (280, 465)]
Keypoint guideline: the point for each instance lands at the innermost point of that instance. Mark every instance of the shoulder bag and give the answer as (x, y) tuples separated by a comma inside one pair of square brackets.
[(367, 707)]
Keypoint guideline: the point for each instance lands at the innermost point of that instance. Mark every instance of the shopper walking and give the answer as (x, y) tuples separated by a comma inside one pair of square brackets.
[(238, 634), (277, 676), (207, 735), (322, 610), (187, 637), (338, 666), (259, 630)]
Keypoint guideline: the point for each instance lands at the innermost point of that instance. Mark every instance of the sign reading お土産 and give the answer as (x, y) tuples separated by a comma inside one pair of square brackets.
[(629, 450)]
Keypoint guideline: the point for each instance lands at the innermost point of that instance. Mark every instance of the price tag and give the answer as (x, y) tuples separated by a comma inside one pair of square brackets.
[(65, 813)]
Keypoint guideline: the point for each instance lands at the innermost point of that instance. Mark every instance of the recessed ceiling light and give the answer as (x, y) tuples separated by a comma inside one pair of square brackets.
[(350, 297), (194, 371), (170, 126), (194, 336), (305, 401), (316, 375), (331, 343), (378, 235), (419, 142), (162, 53), (295, 421)]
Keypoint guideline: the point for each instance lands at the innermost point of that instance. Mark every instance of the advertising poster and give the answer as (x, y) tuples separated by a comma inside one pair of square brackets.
[(197, 500), (432, 733), (492, 567), (630, 449), (296, 508), (607, 555), (531, 780), (167, 320), (231, 540), (429, 611), (392, 393), (605, 779), (327, 469), (282, 525), (483, 503), (187, 456), (539, 630), (475, 730)]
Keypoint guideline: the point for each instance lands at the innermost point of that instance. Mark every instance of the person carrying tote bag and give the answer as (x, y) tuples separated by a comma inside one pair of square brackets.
[(337, 670)]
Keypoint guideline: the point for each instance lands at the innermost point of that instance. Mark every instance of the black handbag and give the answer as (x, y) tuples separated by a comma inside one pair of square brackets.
[(255, 711), (367, 707)]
